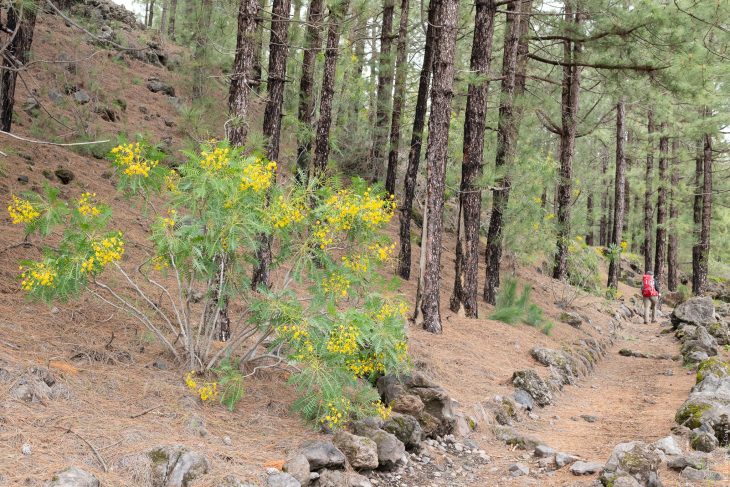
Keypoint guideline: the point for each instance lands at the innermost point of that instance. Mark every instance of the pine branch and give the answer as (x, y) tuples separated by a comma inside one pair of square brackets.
[(629, 67)]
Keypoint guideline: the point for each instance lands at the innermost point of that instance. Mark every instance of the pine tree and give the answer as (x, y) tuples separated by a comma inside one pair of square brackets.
[(384, 93), (401, 67), (614, 267)]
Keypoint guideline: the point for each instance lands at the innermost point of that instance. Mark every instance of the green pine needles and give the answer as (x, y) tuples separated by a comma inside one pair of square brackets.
[(512, 308)]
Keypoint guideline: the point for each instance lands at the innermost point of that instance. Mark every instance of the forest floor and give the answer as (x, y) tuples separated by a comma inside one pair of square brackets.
[(122, 394)]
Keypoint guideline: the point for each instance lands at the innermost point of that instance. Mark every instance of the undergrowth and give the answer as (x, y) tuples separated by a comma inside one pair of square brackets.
[(512, 308)]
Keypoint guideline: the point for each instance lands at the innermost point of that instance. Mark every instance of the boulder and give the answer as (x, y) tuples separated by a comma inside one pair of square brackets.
[(74, 477), (389, 448), (361, 452), (698, 310), (668, 445), (157, 86), (518, 470), (704, 441), (81, 97), (64, 175), (713, 366), (298, 467), (534, 385), (563, 459), (694, 460), (406, 428), (544, 451), (524, 399), (585, 468), (703, 342), (407, 404), (637, 459), (282, 480), (176, 466), (719, 331), (515, 438), (625, 481), (562, 362), (339, 478), (573, 319), (695, 475), (322, 454)]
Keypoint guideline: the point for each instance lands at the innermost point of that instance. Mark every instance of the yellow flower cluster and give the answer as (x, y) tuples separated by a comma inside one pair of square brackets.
[(383, 411), (169, 220), (401, 351), (86, 205), (364, 366), (299, 334), (337, 414), (160, 263), (356, 263), (130, 158), (336, 284), (22, 211), (343, 340), (624, 245), (284, 213), (258, 176), (388, 310), (206, 391), (39, 274), (106, 251), (171, 181), (383, 252), (215, 160)]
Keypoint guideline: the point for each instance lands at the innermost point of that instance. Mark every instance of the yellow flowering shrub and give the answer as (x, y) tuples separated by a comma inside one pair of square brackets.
[(38, 274), (130, 158), (86, 205), (22, 211), (206, 391), (258, 176)]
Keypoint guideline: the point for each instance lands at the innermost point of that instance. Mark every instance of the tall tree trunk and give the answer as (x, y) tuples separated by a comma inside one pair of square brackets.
[(401, 68), (312, 45), (569, 117), (337, 13), (278, 51), (171, 23), (22, 16), (701, 251), (589, 219), (237, 127), (414, 154), (611, 202), (436, 154), (673, 243), (661, 207), (636, 240), (470, 196), (648, 247), (627, 198), (200, 49), (163, 19), (259, 49), (518, 14), (614, 267), (151, 13), (603, 223), (385, 89)]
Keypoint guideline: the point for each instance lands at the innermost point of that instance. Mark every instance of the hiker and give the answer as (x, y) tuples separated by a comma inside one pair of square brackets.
[(650, 291)]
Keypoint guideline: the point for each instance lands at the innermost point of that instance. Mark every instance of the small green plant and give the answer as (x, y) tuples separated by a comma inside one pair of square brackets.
[(511, 308), (548, 328), (230, 381)]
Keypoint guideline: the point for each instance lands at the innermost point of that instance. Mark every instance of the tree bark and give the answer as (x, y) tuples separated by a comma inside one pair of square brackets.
[(569, 127), (603, 223), (385, 89), (648, 247), (163, 19), (278, 51), (200, 50), (401, 67), (337, 13), (151, 13), (589, 219), (312, 45), (614, 267), (21, 16), (701, 251), (470, 196), (171, 22), (259, 49), (414, 154), (673, 242), (661, 207), (507, 131), (436, 154), (236, 126)]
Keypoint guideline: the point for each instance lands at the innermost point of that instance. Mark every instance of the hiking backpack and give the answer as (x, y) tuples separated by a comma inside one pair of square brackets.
[(647, 286)]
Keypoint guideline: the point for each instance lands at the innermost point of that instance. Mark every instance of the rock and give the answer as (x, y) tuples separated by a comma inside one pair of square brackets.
[(573, 319), (514, 438), (588, 418), (695, 475), (389, 448), (625, 481), (298, 467), (26, 449), (157, 86), (524, 399), (361, 452), (227, 440), (23, 179), (703, 342), (561, 362), (534, 385), (322, 454), (231, 481), (81, 97), (338, 478), (695, 357), (107, 113), (543, 451), (637, 459), (406, 428), (668, 445), (74, 477), (585, 468), (64, 175), (518, 469), (407, 404), (699, 310), (696, 461), (176, 466), (31, 105), (704, 441), (563, 459), (282, 480), (719, 331), (713, 366)]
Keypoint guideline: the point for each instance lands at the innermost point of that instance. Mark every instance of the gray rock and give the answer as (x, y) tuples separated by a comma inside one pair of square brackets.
[(573, 319), (696, 461), (157, 86), (561, 362), (31, 104), (703, 342), (282, 480), (298, 467), (585, 468), (625, 481), (534, 385), (361, 452), (543, 451), (390, 449), (406, 428), (322, 454), (82, 97), (668, 445), (518, 469), (339, 478), (696, 311), (635, 458), (690, 473), (589, 418), (563, 459), (176, 466), (696, 356), (231, 481), (74, 477), (524, 399), (515, 438), (704, 441), (64, 175)]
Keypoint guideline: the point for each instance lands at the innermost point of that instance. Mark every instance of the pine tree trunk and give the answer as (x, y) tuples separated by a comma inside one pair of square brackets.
[(414, 154), (200, 49), (385, 89), (589, 219), (21, 16), (648, 247), (401, 68), (312, 45), (259, 53), (569, 117), (636, 240), (661, 207), (163, 19), (171, 23), (614, 267), (701, 251), (337, 13), (151, 13), (673, 243), (603, 223), (470, 196), (236, 126), (609, 237), (627, 199), (507, 131), (436, 154), (278, 51)]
